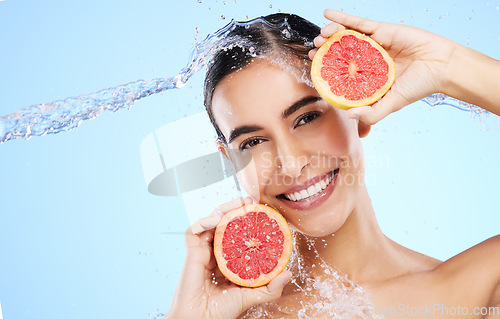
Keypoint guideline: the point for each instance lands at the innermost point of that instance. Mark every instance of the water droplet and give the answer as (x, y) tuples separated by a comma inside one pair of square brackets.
[(270, 6)]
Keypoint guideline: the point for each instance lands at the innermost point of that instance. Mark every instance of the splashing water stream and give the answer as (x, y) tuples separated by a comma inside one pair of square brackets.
[(69, 113), (319, 290)]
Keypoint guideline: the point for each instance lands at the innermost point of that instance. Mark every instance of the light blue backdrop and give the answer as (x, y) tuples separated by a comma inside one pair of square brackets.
[(80, 236)]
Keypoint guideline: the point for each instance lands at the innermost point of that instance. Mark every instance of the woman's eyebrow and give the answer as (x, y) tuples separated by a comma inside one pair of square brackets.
[(286, 113), (300, 103), (243, 130)]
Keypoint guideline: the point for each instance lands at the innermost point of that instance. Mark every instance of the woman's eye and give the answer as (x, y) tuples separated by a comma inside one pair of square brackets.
[(306, 118), (250, 143)]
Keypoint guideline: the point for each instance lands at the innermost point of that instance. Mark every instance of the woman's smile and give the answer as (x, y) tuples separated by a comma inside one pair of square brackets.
[(312, 193)]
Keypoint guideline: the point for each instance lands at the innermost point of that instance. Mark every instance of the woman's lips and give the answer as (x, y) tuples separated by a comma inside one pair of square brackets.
[(312, 193)]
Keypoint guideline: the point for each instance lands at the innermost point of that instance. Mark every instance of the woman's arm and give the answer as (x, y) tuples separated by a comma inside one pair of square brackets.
[(474, 78), (426, 63)]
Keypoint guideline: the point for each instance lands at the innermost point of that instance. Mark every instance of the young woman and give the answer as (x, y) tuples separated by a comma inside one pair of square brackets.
[(260, 101)]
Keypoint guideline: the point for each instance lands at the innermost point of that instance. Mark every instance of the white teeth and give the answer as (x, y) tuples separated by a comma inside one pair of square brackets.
[(317, 187), (303, 194), (311, 190), (323, 184)]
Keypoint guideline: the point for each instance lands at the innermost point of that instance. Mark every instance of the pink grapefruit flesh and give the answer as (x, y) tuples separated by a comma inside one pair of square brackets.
[(252, 245), (351, 70)]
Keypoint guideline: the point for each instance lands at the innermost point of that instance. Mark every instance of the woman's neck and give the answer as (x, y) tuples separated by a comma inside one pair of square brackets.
[(359, 249)]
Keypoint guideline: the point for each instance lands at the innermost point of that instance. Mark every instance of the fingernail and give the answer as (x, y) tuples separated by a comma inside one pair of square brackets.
[(210, 222), (197, 229), (217, 213), (353, 116)]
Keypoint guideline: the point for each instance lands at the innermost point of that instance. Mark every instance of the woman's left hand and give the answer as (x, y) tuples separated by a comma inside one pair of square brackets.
[(421, 59)]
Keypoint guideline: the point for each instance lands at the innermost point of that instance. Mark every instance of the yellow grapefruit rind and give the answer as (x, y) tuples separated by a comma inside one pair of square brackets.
[(323, 87), (263, 279)]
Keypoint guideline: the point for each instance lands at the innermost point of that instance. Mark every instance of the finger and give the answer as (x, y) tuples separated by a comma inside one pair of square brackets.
[(351, 22), (319, 40), (391, 102), (270, 292), (206, 223), (312, 53), (199, 238), (199, 246), (330, 29), (213, 219), (235, 203)]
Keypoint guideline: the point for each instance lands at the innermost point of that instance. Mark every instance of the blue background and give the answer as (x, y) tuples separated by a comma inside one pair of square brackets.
[(80, 236)]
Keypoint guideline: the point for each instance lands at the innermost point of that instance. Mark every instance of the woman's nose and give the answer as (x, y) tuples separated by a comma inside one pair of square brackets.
[(292, 157)]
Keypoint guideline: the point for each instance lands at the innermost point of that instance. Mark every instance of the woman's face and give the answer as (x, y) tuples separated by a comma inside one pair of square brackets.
[(307, 159)]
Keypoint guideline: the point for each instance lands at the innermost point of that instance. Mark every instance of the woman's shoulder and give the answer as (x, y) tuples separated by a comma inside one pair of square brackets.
[(469, 279), (477, 268), (483, 257)]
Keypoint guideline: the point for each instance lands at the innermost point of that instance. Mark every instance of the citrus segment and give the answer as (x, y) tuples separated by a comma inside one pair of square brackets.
[(252, 245), (351, 69)]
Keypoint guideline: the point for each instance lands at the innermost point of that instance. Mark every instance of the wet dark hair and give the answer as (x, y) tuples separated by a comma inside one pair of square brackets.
[(279, 33)]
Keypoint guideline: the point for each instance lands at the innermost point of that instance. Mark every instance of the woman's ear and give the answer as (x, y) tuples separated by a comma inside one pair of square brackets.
[(363, 128), (222, 147)]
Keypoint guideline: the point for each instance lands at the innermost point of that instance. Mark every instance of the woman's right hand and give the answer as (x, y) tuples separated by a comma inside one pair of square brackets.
[(202, 291)]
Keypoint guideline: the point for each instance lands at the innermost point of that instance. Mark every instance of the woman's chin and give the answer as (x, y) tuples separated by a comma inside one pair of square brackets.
[(314, 232)]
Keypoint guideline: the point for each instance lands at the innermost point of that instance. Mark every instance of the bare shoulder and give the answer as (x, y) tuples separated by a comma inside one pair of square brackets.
[(477, 268)]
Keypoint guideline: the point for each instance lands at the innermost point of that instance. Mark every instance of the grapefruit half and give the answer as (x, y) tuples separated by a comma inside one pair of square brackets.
[(350, 70), (252, 245)]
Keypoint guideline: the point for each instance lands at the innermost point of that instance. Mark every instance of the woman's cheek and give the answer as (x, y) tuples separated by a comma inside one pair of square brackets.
[(247, 178), (255, 176)]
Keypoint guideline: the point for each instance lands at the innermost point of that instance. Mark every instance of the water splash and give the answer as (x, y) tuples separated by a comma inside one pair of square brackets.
[(327, 294), (443, 99), (69, 113), (157, 314)]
